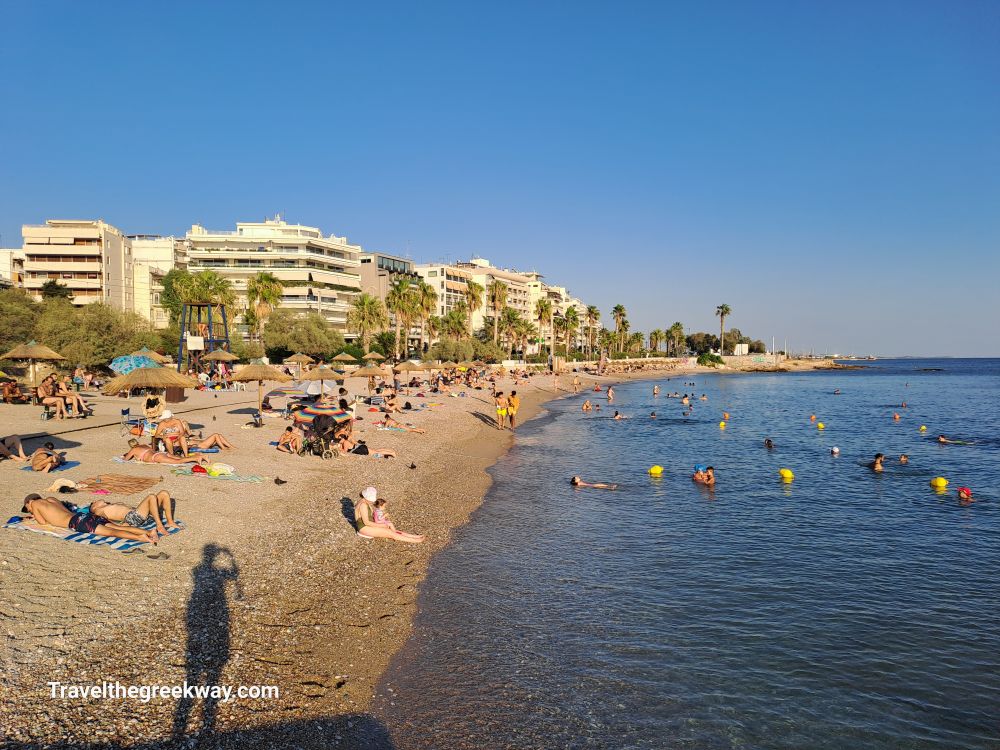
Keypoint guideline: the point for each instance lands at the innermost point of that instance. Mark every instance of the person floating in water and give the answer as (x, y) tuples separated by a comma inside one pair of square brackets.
[(948, 441), (836, 391), (769, 444), (876, 465), (965, 496), (620, 416), (578, 482)]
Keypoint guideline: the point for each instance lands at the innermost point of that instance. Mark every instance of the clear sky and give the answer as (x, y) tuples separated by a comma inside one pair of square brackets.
[(831, 170)]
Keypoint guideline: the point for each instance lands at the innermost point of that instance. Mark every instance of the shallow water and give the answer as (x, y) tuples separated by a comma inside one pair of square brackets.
[(846, 609)]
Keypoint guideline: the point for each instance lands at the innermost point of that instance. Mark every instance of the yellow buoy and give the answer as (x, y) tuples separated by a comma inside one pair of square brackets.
[(722, 425), (820, 426), (939, 483), (655, 470), (923, 428), (786, 474)]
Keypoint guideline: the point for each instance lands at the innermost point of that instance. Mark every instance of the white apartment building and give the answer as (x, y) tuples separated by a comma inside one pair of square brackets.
[(449, 281), (11, 267), (321, 274), (153, 257), (518, 289), (93, 259)]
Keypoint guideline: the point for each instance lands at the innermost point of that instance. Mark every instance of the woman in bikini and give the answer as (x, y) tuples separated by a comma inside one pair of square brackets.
[(72, 398), (364, 521), (48, 397), (145, 454)]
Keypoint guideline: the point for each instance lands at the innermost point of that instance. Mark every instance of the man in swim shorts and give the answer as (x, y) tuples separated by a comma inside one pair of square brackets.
[(501, 404), (54, 513), (150, 509), (513, 404)]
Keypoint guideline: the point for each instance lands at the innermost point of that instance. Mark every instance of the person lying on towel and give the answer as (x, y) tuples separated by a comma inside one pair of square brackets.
[(50, 511), (148, 510)]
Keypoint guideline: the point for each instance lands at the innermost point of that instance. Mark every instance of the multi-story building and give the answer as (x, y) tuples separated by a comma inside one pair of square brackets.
[(93, 259), (379, 271), (153, 257), (518, 288), (11, 267), (449, 281), (321, 274)]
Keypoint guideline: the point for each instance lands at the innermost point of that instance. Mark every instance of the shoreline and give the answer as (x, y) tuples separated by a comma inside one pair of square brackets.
[(318, 611)]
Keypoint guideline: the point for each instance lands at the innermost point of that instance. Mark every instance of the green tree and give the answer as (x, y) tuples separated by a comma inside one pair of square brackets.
[(52, 289), (385, 343), (170, 297), (264, 291), (427, 298), (94, 334), (286, 333), (402, 303), (18, 315), (473, 299), (675, 338), (543, 314), (723, 311), (655, 338), (366, 317), (572, 318), (618, 313), (496, 294), (593, 318)]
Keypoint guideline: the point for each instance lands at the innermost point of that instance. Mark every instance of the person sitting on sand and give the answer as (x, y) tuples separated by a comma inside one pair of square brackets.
[(578, 482), (11, 447), (365, 524), (171, 431), (876, 465), (397, 425), (148, 510), (152, 409), (45, 459), (65, 391), (586, 406), (145, 454), (12, 393), (391, 405), (290, 440), (54, 513)]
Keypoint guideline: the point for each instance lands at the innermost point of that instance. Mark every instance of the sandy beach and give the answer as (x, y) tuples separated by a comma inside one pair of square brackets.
[(267, 585)]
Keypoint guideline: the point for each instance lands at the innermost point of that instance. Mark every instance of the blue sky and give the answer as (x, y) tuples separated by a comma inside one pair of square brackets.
[(829, 170)]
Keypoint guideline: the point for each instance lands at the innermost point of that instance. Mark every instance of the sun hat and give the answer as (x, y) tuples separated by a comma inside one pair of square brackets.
[(369, 494), (167, 414)]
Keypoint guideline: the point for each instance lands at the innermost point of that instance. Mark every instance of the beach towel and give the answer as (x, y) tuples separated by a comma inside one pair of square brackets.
[(383, 428), (203, 450), (19, 524), (185, 471), (61, 467), (119, 484)]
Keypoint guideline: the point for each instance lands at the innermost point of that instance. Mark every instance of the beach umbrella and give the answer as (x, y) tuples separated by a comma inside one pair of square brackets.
[(32, 352), (148, 377), (220, 355), (368, 372), (308, 414), (448, 365), (408, 366), (125, 364), (300, 359), (260, 373), (344, 357), (155, 356), (373, 357), (321, 374), (466, 364)]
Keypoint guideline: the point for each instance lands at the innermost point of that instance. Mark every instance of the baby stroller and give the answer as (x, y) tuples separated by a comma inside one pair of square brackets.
[(320, 439)]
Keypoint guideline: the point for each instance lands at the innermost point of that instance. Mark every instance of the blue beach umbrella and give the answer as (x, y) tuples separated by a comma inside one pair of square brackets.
[(124, 365)]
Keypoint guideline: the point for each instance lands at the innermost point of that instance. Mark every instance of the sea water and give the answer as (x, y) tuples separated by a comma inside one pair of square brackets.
[(845, 609)]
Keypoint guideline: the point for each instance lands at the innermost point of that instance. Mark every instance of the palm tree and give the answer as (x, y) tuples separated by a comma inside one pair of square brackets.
[(543, 312), (433, 327), (399, 301), (453, 324), (525, 331), (264, 292), (723, 311), (635, 342), (675, 337), (593, 318), (427, 298), (496, 295), (606, 339), (655, 338), (207, 287), (509, 320), (618, 313), (572, 318), (473, 299), (367, 316)]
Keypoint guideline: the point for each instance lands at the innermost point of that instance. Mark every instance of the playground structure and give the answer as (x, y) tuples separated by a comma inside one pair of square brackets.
[(204, 329)]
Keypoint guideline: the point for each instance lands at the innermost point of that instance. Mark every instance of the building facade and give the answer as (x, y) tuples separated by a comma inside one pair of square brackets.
[(450, 283), (320, 273), (153, 257), (11, 267), (379, 271), (518, 289), (91, 258)]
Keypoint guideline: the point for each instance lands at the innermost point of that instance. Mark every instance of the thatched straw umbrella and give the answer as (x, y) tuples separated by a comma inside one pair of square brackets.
[(368, 372), (322, 373), (408, 366), (300, 359), (344, 357), (448, 365), (373, 357), (220, 355), (148, 377), (155, 356), (260, 372), (31, 352)]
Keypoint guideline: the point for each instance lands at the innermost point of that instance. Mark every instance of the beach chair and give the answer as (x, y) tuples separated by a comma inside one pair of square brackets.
[(258, 419), (127, 422)]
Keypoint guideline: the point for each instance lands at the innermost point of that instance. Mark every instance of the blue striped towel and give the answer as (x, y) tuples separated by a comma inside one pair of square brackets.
[(61, 467), (80, 538)]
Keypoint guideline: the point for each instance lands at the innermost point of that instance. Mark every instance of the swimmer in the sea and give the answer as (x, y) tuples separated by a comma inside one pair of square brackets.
[(904, 459), (769, 444), (578, 482), (965, 496), (876, 465)]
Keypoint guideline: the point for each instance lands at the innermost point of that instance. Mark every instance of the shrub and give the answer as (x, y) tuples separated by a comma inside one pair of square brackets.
[(710, 360)]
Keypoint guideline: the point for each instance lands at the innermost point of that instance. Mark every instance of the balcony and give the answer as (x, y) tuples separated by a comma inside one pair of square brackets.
[(73, 284)]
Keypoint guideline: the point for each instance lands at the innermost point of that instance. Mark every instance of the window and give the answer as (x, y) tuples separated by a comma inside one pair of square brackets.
[(432, 273)]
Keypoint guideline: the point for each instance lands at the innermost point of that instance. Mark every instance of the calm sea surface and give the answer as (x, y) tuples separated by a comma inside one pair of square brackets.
[(843, 610)]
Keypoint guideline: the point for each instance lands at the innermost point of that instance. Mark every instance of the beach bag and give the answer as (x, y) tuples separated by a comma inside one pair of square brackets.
[(221, 470), (136, 430)]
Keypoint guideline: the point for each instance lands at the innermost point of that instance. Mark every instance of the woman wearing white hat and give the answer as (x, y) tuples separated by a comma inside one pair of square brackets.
[(366, 525)]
